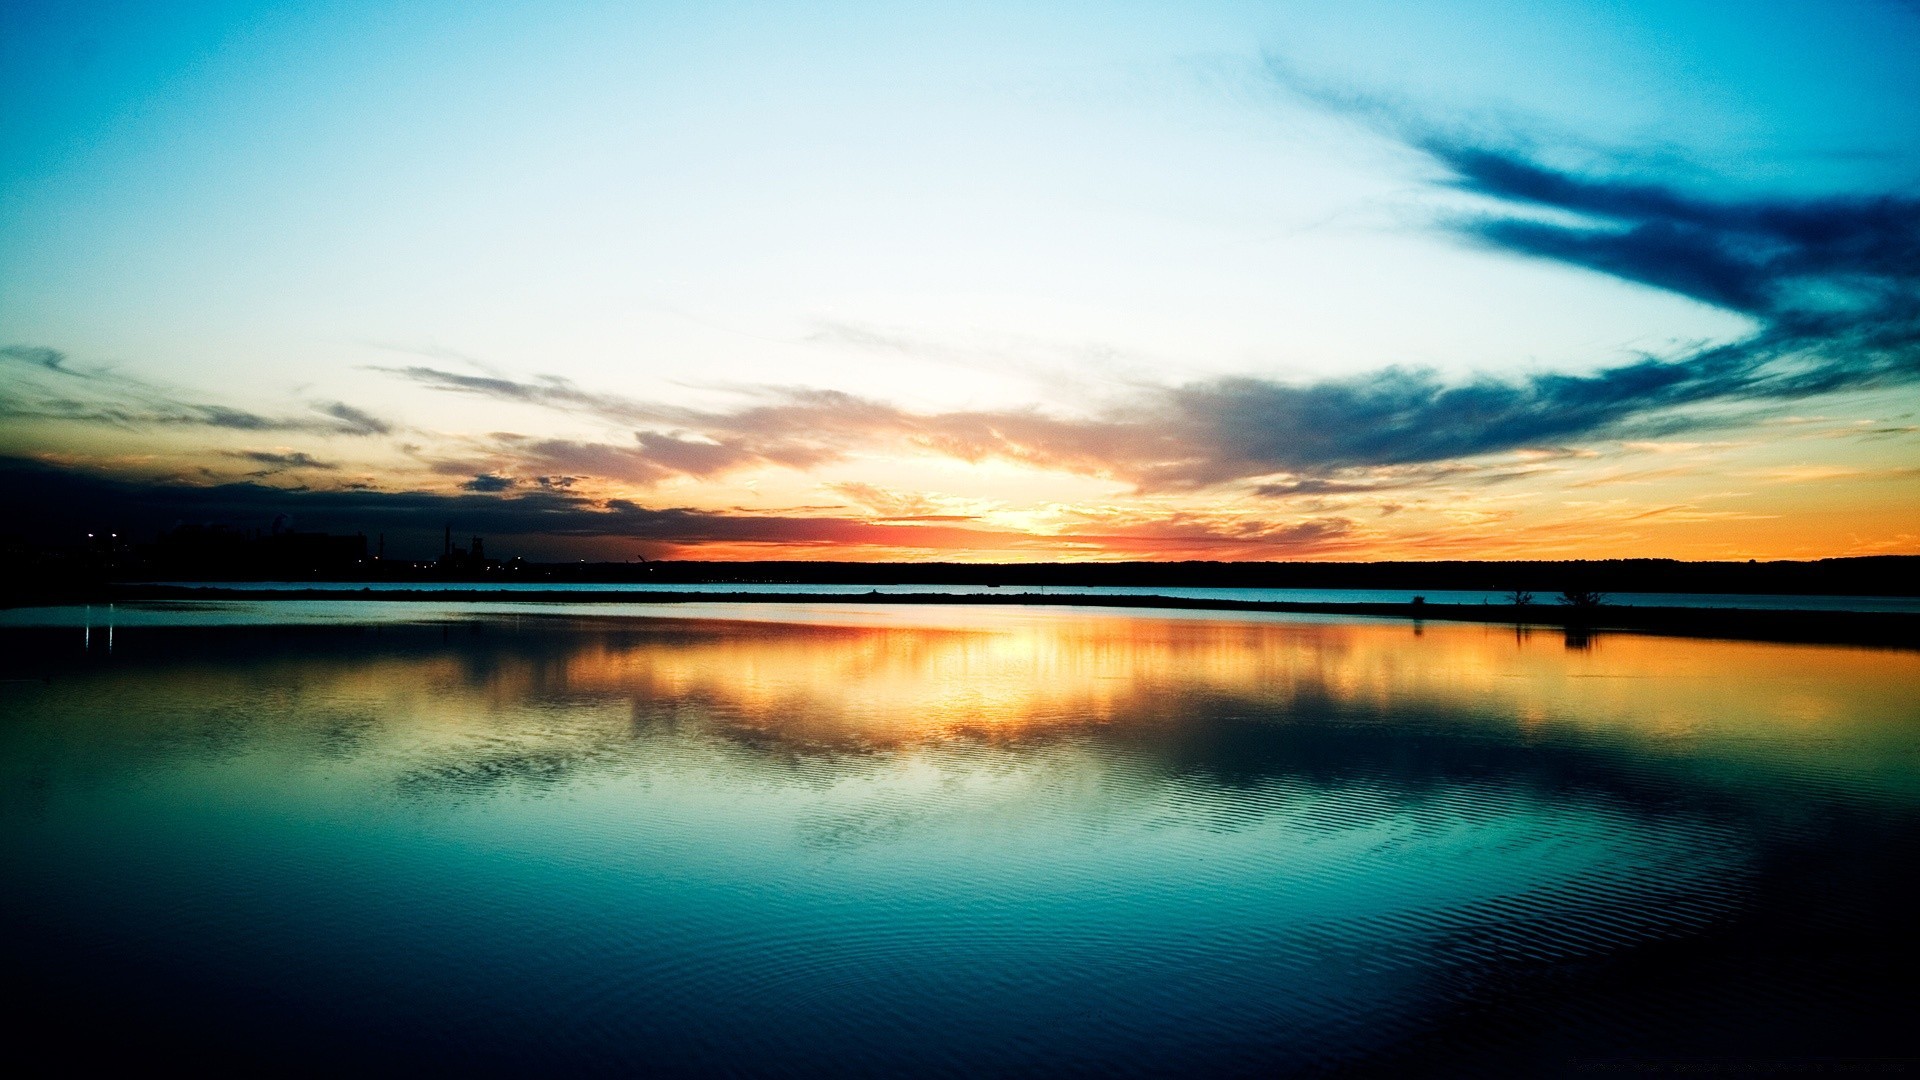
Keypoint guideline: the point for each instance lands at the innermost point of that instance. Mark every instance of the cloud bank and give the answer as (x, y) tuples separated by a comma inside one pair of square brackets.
[(547, 521), (1833, 282)]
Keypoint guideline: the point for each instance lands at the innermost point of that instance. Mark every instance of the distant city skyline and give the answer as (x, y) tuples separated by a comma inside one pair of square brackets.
[(1477, 279)]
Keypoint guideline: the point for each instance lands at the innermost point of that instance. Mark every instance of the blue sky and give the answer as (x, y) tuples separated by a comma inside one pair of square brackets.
[(1071, 213)]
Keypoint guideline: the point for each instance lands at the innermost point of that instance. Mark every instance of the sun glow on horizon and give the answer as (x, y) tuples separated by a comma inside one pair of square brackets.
[(1016, 283)]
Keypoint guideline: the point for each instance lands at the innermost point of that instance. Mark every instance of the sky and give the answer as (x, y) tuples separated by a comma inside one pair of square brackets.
[(980, 282)]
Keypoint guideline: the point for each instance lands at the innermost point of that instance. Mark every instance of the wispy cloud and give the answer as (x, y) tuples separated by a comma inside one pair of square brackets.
[(275, 461), (551, 391), (355, 421), (104, 397), (37, 355), (1208, 536), (891, 505)]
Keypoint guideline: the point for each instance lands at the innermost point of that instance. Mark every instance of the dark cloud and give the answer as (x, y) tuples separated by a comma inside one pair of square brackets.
[(1777, 258), (355, 421), (277, 460), (222, 417), (542, 521), (162, 413), (548, 390), (488, 482), (53, 502), (1768, 257), (1240, 428), (340, 419), (1835, 283), (39, 356), (1374, 481)]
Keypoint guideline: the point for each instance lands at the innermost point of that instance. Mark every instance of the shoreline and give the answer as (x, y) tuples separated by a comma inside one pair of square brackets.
[(1886, 629)]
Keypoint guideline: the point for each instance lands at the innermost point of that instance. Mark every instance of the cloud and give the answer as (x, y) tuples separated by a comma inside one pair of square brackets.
[(276, 460), (355, 421), (1767, 257), (1203, 536), (548, 390), (63, 500), (1834, 283), (540, 520), (608, 461), (107, 398), (830, 332), (1240, 429), (221, 416), (892, 504), (1375, 480), (897, 505), (339, 419), (37, 355), (789, 428)]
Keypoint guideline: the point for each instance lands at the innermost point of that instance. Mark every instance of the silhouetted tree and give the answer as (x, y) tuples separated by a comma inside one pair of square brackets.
[(1583, 599), (1520, 598)]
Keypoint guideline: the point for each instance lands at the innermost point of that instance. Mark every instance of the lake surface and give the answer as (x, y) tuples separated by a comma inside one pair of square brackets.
[(835, 840)]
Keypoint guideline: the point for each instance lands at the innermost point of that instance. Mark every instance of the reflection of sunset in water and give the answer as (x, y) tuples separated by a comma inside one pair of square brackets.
[(1063, 836), (1012, 675), (921, 677)]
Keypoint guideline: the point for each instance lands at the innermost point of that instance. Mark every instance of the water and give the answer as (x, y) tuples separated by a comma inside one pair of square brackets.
[(1747, 601), (832, 840)]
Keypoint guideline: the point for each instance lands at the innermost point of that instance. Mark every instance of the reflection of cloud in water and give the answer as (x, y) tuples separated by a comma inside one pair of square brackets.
[(1311, 824), (1116, 703)]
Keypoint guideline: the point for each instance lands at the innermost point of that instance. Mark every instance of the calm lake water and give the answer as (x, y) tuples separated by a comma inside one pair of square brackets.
[(974, 841)]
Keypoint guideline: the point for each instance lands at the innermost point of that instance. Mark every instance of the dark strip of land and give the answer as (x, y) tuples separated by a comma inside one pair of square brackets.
[(1879, 628)]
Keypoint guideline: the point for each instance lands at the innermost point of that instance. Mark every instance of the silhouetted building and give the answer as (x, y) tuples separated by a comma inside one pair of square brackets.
[(456, 560)]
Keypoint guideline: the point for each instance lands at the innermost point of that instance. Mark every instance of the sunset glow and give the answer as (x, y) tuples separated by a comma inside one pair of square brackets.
[(981, 283)]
